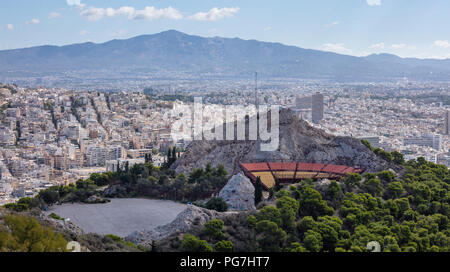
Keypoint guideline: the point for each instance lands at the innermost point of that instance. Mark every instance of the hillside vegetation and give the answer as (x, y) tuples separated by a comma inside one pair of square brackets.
[(402, 212), (408, 213), (24, 234)]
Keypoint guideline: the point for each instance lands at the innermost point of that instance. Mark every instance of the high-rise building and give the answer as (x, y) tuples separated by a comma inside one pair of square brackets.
[(447, 123), (317, 108), (433, 141)]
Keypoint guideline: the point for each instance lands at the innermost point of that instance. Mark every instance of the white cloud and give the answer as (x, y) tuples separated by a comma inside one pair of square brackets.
[(373, 2), (268, 28), (149, 13), (54, 15), (215, 14), (10, 26), (33, 21), (442, 44), (377, 46), (336, 47), (398, 46), (83, 32), (335, 23), (74, 2)]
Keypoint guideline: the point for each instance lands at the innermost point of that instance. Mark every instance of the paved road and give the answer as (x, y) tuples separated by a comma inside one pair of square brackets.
[(121, 216)]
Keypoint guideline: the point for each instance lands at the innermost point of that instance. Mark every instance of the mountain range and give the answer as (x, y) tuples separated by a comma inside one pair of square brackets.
[(172, 54)]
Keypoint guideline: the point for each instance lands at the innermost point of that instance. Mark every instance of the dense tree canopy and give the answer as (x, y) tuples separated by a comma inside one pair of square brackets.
[(406, 212), (25, 234)]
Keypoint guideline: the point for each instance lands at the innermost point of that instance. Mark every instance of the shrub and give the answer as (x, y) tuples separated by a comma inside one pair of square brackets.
[(213, 229), (217, 204), (55, 216), (193, 244), (224, 246), (25, 234)]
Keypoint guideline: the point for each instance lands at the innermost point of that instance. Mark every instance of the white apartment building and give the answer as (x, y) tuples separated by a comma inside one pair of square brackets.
[(433, 141), (95, 155), (116, 152)]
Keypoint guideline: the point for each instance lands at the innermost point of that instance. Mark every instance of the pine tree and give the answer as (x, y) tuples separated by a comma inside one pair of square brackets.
[(169, 157), (19, 131), (119, 170), (258, 191), (154, 247), (174, 154)]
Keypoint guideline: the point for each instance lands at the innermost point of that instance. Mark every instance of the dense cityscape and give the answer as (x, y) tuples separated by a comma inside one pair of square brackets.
[(55, 136)]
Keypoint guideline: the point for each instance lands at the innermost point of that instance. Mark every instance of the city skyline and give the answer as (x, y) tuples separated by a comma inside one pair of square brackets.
[(356, 27)]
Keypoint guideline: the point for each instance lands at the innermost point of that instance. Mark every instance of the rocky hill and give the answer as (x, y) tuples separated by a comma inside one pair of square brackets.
[(185, 221), (299, 141)]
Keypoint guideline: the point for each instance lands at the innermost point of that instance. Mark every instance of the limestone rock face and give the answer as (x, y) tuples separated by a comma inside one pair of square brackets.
[(193, 215), (299, 142), (239, 193), (62, 225)]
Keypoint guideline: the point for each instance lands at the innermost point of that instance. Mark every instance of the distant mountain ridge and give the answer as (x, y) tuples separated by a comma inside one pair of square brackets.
[(172, 53)]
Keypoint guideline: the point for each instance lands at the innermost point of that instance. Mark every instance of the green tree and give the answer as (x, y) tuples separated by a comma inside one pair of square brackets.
[(100, 179), (288, 208), (311, 203), (258, 191), (193, 244), (386, 176), (25, 234), (334, 194), (394, 190), (270, 213), (329, 236), (305, 224), (154, 247), (398, 158), (50, 196), (373, 186), (270, 237), (217, 204), (213, 229), (296, 247), (224, 246), (352, 181), (313, 241)]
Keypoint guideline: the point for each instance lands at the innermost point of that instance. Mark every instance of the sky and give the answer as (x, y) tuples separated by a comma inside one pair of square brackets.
[(407, 28)]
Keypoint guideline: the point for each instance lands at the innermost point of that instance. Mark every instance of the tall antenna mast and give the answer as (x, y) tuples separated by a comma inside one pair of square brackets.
[(256, 90)]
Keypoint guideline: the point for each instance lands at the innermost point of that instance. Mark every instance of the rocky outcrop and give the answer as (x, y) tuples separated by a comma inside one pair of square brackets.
[(239, 193), (115, 190), (94, 199), (61, 225), (193, 215), (299, 141)]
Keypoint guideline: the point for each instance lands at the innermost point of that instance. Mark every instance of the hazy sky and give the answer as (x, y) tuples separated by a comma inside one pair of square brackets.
[(408, 28)]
